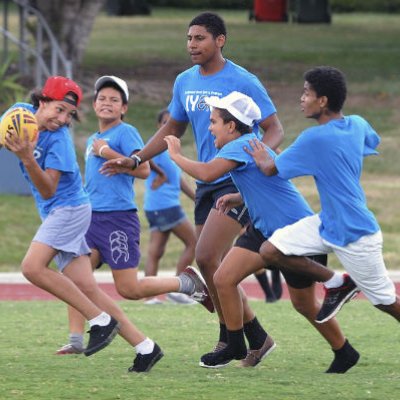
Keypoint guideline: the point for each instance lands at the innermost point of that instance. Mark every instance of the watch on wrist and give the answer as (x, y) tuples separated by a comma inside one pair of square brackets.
[(136, 159)]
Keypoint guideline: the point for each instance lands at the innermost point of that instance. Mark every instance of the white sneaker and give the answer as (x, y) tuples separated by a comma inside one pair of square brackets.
[(153, 301), (180, 298)]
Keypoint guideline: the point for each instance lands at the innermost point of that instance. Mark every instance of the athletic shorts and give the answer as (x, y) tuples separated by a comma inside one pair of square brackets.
[(166, 219), (116, 236), (362, 259), (252, 240), (64, 230), (207, 196)]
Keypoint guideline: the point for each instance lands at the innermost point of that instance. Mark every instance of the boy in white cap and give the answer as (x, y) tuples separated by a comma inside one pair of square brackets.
[(114, 232), (272, 202)]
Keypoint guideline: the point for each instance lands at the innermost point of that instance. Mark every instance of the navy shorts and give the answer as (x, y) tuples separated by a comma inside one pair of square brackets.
[(252, 240), (116, 236), (166, 219), (207, 196)]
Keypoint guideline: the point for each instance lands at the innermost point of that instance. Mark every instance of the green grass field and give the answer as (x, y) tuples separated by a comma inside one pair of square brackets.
[(32, 331), (149, 51)]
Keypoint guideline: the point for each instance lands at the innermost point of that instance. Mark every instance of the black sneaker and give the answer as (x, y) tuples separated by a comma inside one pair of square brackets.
[(221, 358), (200, 293), (101, 336), (345, 358), (335, 298), (144, 362)]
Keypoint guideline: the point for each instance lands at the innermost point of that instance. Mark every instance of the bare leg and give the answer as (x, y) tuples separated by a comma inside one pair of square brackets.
[(302, 265), (35, 269), (392, 309), (214, 241), (306, 303), (156, 249), (130, 287), (185, 232)]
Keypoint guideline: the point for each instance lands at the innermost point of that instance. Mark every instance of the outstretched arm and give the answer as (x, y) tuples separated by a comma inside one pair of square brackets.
[(262, 158), (155, 146), (207, 172), (101, 148)]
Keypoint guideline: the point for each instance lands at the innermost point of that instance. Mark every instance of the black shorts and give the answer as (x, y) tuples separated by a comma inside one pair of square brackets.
[(207, 196), (252, 240)]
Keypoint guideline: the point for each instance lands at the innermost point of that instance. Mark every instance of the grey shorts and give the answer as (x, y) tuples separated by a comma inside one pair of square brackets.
[(64, 230)]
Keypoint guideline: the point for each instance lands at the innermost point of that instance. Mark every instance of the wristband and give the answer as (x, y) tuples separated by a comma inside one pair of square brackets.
[(136, 159), (102, 148)]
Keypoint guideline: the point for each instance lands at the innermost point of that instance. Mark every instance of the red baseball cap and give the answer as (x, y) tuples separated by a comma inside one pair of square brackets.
[(58, 87)]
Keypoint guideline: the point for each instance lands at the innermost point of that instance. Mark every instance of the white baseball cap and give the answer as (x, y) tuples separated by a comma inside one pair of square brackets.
[(111, 78), (239, 105)]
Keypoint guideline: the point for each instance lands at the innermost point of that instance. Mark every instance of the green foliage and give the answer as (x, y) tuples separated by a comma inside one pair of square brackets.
[(10, 89), (204, 4), (31, 331), (382, 6)]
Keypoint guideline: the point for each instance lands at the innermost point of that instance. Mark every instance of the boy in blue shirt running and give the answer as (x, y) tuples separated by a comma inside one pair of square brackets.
[(272, 202), (332, 152)]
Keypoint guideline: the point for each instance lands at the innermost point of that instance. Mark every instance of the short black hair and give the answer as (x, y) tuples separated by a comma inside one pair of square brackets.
[(161, 114), (226, 116), (329, 82), (114, 86), (213, 23)]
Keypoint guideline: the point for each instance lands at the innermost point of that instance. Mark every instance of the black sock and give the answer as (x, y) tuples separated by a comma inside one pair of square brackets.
[(276, 283), (345, 358), (255, 334), (223, 335), (263, 281), (237, 344)]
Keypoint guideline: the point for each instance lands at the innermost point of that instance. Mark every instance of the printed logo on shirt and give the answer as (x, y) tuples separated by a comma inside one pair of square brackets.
[(119, 246), (195, 99)]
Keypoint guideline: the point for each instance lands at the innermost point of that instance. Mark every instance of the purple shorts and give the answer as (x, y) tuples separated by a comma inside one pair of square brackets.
[(116, 236)]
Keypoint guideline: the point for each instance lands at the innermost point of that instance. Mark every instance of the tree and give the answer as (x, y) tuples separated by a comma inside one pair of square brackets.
[(71, 22)]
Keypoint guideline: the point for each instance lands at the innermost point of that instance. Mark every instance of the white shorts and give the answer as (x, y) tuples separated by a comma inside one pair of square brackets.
[(362, 259)]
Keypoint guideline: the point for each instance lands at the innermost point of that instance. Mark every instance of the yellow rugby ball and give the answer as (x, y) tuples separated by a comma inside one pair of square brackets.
[(15, 121)]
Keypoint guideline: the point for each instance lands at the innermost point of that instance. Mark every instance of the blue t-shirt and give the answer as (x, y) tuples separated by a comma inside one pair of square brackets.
[(56, 150), (168, 194), (273, 202), (112, 193), (333, 154), (188, 104)]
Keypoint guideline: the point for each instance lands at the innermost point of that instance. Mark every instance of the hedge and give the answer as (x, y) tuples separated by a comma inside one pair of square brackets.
[(384, 6)]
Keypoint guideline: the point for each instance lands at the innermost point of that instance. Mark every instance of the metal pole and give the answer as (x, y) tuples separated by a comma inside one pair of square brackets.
[(5, 38)]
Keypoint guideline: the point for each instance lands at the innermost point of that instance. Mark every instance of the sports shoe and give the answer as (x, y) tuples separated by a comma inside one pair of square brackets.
[(68, 349), (219, 346), (144, 362), (335, 298), (101, 336), (153, 301), (220, 358), (200, 294), (345, 358), (254, 357), (180, 298)]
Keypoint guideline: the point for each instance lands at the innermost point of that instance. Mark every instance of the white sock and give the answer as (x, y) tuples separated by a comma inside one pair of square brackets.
[(145, 347), (102, 319), (335, 281)]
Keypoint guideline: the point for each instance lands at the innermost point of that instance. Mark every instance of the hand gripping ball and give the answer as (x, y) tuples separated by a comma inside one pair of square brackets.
[(15, 120)]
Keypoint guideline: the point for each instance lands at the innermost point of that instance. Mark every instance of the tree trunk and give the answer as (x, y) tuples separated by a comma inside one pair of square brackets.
[(71, 22)]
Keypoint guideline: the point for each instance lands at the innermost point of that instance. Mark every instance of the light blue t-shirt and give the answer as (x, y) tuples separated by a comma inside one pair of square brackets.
[(273, 202), (333, 154), (188, 104), (111, 193), (56, 150), (168, 194)]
